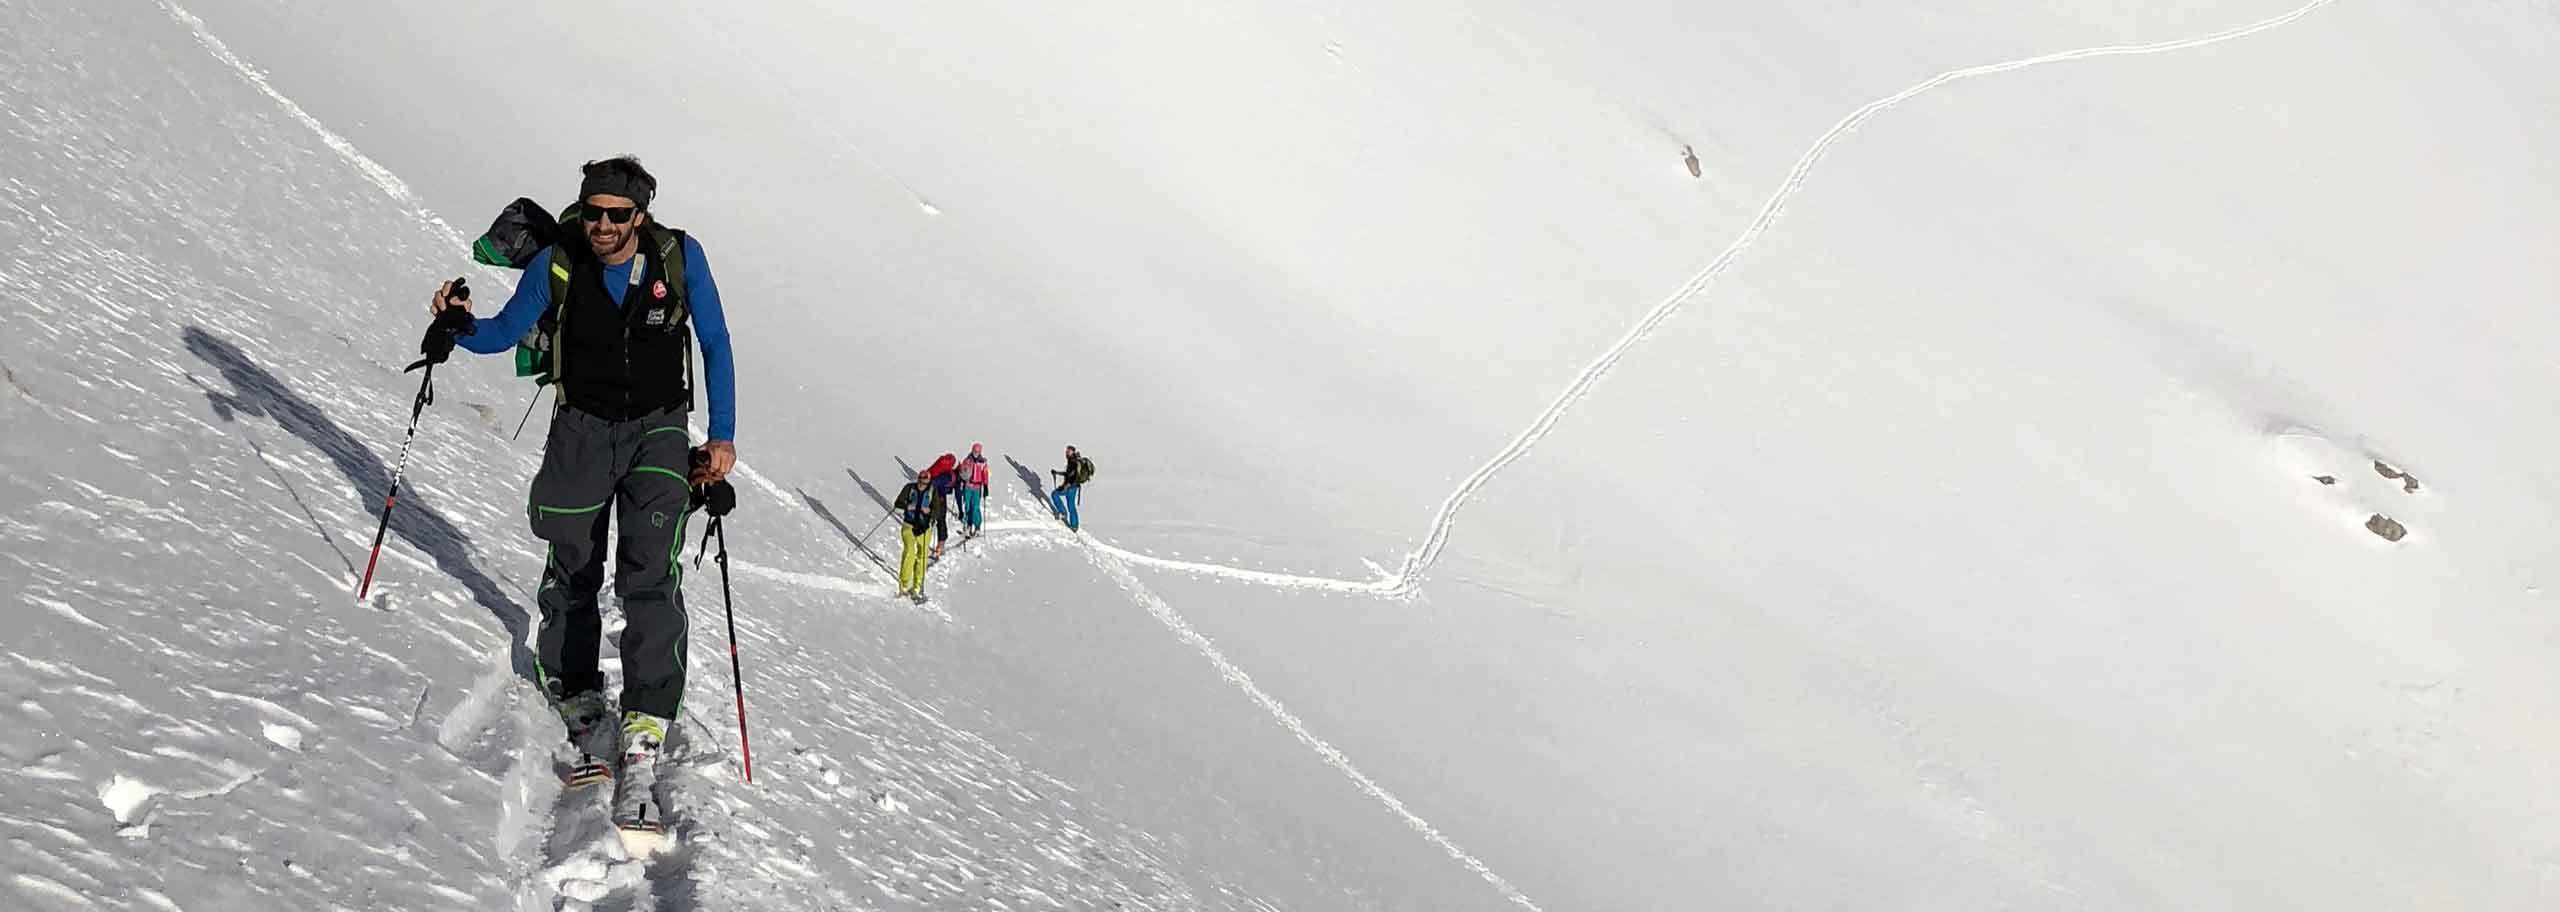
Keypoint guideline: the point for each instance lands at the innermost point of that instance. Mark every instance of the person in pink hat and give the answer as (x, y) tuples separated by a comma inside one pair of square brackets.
[(973, 491)]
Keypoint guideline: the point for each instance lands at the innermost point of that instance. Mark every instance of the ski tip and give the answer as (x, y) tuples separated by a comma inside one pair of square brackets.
[(642, 840)]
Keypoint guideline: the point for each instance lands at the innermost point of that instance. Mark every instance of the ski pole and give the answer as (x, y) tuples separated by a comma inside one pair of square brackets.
[(875, 527), (426, 397), (528, 411), (746, 757), (461, 292)]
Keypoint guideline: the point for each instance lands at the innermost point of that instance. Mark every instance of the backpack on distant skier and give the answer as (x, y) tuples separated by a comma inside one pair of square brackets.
[(523, 230), (1084, 470)]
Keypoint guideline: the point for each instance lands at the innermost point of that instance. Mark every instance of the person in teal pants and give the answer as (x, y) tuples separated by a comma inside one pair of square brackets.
[(1063, 502), (973, 491)]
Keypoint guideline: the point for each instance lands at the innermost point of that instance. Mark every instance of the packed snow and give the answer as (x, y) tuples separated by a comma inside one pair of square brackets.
[(1629, 455)]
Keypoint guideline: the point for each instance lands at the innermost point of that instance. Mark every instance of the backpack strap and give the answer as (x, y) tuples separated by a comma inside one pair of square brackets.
[(549, 324), (670, 246)]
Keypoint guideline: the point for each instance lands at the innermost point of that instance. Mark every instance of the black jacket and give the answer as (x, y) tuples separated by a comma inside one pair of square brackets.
[(918, 506)]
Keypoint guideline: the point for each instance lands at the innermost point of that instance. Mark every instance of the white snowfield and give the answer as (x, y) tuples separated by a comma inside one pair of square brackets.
[(2001, 525)]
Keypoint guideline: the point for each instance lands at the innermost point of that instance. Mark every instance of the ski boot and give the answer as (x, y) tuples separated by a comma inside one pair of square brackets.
[(590, 726), (636, 811)]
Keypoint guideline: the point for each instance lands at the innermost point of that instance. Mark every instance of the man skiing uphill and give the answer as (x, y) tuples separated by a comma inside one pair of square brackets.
[(626, 299), (1064, 501), (919, 510)]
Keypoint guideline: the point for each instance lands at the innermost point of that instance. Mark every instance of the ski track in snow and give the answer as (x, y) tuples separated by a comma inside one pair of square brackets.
[(1112, 565), (1406, 581), (1409, 578)]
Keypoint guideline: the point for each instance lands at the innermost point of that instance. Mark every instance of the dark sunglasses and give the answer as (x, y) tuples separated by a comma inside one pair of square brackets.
[(619, 215)]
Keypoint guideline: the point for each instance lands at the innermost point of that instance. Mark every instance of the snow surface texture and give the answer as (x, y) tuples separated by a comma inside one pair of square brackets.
[(1994, 570)]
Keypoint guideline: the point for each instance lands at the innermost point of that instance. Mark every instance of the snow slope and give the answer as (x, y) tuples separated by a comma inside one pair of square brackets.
[(1960, 547)]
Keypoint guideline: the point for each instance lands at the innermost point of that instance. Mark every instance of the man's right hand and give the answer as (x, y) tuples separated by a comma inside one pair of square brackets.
[(451, 322), (455, 293)]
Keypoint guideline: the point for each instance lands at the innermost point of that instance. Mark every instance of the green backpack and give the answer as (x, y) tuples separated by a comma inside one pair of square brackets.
[(523, 230)]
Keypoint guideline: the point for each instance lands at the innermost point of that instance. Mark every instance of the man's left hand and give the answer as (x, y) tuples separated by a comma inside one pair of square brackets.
[(723, 457)]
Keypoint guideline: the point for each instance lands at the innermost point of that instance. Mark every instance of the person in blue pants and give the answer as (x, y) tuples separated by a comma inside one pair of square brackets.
[(1063, 501)]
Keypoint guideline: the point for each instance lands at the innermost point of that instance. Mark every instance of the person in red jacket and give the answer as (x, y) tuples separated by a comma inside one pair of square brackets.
[(946, 482)]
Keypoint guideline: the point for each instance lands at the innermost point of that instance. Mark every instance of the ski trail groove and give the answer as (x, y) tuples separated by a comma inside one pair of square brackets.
[(1109, 562)]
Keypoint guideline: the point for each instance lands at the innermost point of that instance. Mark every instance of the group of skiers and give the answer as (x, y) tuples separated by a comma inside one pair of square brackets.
[(608, 313), (924, 504)]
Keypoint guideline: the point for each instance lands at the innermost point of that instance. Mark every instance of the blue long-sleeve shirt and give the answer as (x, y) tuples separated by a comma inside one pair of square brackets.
[(702, 296)]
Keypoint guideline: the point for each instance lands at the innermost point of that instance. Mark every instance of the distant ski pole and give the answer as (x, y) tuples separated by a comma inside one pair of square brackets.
[(746, 757), (390, 498), (875, 527), (863, 545)]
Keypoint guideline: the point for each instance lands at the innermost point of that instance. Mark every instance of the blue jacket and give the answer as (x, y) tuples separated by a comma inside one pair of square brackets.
[(710, 327)]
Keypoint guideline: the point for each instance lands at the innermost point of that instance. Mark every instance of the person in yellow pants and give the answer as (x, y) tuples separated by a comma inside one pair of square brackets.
[(916, 507)]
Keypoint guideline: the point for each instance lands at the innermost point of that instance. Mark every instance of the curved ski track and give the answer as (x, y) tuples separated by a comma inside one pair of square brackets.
[(1407, 580)]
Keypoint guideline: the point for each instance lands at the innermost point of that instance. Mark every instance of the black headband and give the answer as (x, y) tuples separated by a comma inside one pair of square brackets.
[(614, 182)]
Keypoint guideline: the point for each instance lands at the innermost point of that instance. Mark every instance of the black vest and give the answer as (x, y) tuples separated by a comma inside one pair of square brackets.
[(620, 364)]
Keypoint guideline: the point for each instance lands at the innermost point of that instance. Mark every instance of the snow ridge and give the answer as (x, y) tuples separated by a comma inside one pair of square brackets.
[(382, 177)]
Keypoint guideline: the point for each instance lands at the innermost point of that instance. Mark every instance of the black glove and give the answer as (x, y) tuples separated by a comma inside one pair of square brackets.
[(453, 323), (717, 497)]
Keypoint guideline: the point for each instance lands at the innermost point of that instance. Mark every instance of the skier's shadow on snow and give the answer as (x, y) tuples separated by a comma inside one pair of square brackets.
[(874, 493), (820, 507), (1030, 479), (262, 394)]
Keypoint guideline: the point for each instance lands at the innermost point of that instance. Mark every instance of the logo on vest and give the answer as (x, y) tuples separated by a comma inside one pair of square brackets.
[(658, 289), (658, 520), (657, 317)]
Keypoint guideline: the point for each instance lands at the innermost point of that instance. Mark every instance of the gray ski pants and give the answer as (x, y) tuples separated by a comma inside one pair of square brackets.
[(636, 468)]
